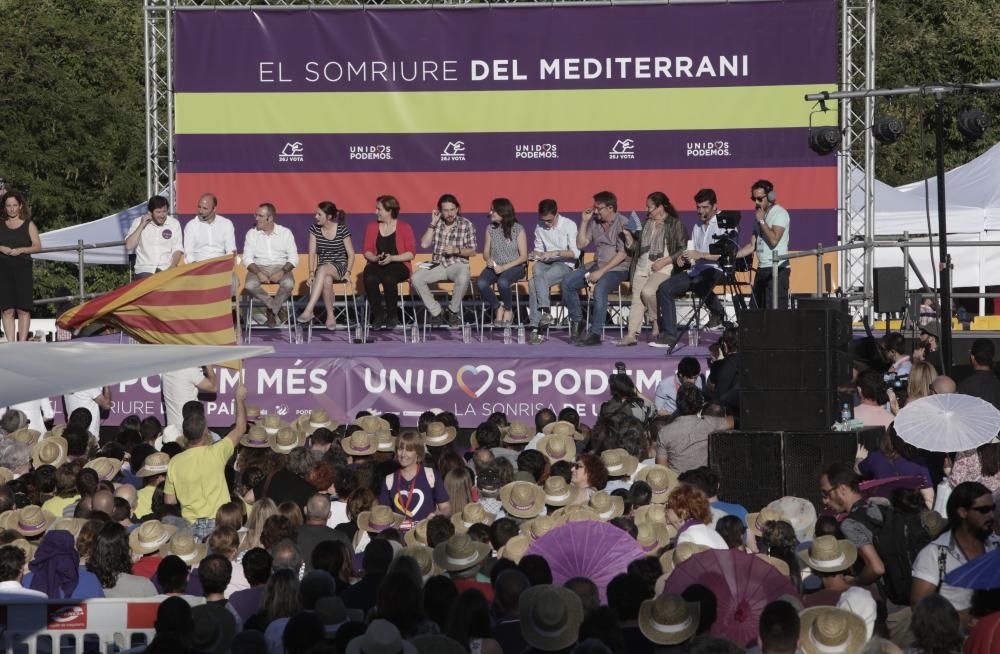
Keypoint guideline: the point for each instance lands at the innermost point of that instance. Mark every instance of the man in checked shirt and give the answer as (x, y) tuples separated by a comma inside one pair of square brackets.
[(453, 240)]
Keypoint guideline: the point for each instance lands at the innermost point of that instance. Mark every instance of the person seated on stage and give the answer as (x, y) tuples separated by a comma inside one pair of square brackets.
[(208, 235), (453, 239), (609, 268), (156, 238), (555, 256), (331, 257), (270, 255), (654, 251), (702, 275), (389, 249), (505, 252)]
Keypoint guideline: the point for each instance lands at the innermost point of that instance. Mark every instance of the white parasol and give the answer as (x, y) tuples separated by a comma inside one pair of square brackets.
[(948, 423)]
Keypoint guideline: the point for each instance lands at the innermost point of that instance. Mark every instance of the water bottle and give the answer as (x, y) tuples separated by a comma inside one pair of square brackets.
[(693, 337), (359, 334), (845, 412), (506, 336), (521, 338), (415, 334), (466, 334), (298, 333)]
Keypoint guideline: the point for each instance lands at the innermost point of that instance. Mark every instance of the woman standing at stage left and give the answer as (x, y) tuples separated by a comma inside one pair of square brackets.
[(18, 241), (331, 257), (389, 249)]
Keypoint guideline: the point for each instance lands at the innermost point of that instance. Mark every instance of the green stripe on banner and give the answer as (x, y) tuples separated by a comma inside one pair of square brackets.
[(600, 110)]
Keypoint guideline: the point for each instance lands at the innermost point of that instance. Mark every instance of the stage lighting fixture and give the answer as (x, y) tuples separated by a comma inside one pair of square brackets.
[(888, 129), (973, 123), (823, 140)]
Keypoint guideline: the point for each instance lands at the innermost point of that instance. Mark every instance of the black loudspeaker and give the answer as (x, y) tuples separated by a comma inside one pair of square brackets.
[(805, 456), (890, 296), (837, 304), (792, 410), (749, 465), (790, 370), (780, 329)]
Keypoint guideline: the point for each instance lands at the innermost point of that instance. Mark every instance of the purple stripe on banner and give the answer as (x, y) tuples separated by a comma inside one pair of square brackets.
[(498, 48), (809, 226), (740, 148)]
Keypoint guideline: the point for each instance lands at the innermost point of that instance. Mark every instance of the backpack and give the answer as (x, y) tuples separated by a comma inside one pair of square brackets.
[(898, 539)]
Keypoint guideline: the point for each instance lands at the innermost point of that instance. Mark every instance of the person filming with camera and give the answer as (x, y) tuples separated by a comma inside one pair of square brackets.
[(702, 274), (770, 239)]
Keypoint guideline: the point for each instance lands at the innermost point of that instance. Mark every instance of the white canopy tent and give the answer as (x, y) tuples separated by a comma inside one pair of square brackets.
[(110, 229)]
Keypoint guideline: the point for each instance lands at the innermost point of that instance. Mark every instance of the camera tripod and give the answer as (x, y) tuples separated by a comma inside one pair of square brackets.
[(730, 286)]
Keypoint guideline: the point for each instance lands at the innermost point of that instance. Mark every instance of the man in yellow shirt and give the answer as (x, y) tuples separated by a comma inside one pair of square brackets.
[(196, 477)]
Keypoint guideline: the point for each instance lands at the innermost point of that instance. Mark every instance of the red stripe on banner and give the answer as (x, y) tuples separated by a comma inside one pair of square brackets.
[(801, 187), (179, 327), (211, 267), (141, 615), (93, 308), (180, 297)]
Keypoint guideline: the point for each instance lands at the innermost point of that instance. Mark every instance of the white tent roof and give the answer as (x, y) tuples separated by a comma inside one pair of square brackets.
[(109, 229), (30, 370)]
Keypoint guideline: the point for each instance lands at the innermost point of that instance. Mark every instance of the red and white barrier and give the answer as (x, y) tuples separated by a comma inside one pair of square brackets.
[(112, 622)]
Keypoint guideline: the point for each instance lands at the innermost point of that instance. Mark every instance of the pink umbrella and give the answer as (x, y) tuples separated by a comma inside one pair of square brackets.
[(884, 487), (743, 584), (591, 549)]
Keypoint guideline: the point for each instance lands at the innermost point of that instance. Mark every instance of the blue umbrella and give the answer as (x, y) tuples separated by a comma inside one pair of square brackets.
[(983, 573)]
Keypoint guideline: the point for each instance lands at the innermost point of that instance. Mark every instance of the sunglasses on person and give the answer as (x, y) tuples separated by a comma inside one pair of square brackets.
[(985, 510)]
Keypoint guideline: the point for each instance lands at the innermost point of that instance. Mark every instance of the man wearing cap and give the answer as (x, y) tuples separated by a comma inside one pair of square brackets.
[(927, 348), (196, 477)]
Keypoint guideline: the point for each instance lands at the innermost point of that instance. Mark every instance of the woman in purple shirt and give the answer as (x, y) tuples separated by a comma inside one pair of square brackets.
[(413, 491), (896, 458)]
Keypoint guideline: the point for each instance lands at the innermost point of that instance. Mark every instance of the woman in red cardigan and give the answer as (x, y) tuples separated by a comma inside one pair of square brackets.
[(389, 247)]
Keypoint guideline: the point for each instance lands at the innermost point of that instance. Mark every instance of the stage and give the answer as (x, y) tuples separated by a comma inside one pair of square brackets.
[(443, 373)]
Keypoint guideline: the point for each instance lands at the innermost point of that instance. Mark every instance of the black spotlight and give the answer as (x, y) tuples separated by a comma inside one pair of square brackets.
[(888, 129), (823, 140), (973, 123)]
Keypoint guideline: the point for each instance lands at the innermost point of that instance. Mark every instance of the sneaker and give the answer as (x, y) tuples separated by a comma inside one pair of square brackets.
[(715, 321), (544, 320), (589, 340), (627, 341), (271, 319), (438, 320), (392, 322), (664, 341), (537, 338), (454, 320)]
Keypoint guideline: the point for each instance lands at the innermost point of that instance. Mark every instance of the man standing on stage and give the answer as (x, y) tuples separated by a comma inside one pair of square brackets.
[(270, 255), (609, 269), (453, 239), (703, 275), (208, 235), (555, 256), (770, 239), (156, 238)]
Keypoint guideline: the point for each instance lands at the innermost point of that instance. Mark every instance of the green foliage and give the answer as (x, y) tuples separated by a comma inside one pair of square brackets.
[(923, 42)]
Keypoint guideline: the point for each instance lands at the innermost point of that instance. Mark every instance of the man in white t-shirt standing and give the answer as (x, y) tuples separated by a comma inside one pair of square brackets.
[(182, 386), (770, 238), (92, 399), (156, 239)]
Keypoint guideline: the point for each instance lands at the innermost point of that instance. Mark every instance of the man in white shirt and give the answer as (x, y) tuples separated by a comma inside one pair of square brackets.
[(688, 372), (12, 566), (37, 412), (156, 239), (182, 386), (555, 255), (208, 235), (270, 255), (92, 399)]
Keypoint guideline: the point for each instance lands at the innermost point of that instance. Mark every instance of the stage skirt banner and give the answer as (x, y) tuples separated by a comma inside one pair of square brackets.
[(290, 387), (297, 106)]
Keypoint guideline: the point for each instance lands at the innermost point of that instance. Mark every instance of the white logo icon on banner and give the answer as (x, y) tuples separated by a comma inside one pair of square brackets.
[(622, 149), (454, 151), (292, 152)]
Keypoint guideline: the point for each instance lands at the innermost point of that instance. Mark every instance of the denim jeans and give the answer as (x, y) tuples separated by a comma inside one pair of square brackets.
[(678, 285), (571, 286), (504, 282)]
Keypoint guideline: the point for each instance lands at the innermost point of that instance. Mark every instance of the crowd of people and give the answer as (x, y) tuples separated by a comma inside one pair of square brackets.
[(309, 536)]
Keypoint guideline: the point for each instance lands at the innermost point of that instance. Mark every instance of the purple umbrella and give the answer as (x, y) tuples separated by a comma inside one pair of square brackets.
[(591, 549), (884, 487)]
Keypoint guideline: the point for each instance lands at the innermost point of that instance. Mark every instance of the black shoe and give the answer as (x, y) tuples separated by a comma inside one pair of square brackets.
[(715, 321), (664, 341), (454, 320), (589, 340), (438, 320), (544, 320), (392, 322), (575, 330), (378, 320)]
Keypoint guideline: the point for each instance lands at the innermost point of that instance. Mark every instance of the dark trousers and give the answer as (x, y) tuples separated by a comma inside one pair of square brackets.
[(678, 285), (763, 291), (381, 286)]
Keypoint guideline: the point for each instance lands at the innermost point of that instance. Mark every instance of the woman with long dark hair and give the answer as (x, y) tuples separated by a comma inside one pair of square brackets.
[(18, 241), (389, 250), (331, 257), (111, 562), (506, 255)]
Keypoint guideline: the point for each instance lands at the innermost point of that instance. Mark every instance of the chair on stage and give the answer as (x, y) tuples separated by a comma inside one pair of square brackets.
[(300, 276), (349, 301), (442, 288), (517, 312), (617, 307)]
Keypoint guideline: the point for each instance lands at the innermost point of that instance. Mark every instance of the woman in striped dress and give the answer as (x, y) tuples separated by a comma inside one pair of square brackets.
[(506, 256), (331, 257)]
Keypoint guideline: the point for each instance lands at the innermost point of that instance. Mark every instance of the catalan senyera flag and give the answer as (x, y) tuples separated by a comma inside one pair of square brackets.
[(185, 305)]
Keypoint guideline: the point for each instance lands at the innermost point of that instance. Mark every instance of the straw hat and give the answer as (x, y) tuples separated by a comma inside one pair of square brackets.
[(285, 440), (560, 493), (780, 565), (49, 451), (256, 437), (154, 464), (381, 637), (557, 447), (29, 521), (385, 442), (825, 629), (183, 546), (522, 499), (460, 552), (756, 521), (471, 514), (517, 433), (424, 556), (550, 616), (661, 480), (798, 512), (607, 506), (379, 519), (418, 534), (272, 423), (438, 434), (827, 554), (515, 548), (543, 524), (150, 536), (317, 419), (253, 412), (652, 536), (105, 467), (360, 444), (374, 426), (72, 525), (577, 513), (651, 513), (57, 430), (668, 619), (562, 428), (684, 551), (25, 435), (6, 476), (619, 462)]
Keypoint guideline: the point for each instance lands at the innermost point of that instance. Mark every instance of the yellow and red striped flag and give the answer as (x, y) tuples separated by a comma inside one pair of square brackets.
[(185, 305)]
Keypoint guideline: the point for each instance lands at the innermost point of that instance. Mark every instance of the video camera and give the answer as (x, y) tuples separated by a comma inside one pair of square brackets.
[(726, 243)]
